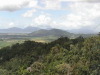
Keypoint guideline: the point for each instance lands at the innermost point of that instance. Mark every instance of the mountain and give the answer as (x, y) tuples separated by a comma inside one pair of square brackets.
[(57, 33), (84, 30), (30, 29), (19, 30), (11, 30), (37, 32), (52, 32)]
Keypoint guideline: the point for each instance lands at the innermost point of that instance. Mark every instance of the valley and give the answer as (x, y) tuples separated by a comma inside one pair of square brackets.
[(42, 35)]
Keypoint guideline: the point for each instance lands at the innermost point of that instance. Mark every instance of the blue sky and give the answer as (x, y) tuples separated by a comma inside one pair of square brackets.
[(61, 14)]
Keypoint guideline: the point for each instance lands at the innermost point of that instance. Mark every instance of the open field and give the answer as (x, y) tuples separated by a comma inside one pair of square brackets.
[(5, 43), (9, 42)]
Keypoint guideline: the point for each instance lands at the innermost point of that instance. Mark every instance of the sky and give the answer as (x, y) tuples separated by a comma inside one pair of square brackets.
[(60, 14)]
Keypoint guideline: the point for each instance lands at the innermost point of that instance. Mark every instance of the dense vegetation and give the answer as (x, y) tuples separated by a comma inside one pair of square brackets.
[(64, 56)]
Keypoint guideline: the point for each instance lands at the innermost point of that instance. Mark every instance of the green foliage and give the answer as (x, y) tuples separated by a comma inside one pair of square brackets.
[(79, 56), (63, 69), (4, 72), (37, 67)]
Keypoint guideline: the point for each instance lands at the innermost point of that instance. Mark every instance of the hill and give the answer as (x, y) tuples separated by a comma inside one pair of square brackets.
[(19, 30), (42, 34), (52, 32), (57, 33)]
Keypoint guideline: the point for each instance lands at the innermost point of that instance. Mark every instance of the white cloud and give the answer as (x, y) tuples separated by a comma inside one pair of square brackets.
[(51, 4), (79, 0), (29, 13), (11, 24), (13, 5), (70, 0), (33, 3), (82, 15), (42, 20)]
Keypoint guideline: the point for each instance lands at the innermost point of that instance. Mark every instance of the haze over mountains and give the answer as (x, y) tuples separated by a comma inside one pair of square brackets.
[(83, 30), (39, 33), (31, 29), (52, 32), (19, 30)]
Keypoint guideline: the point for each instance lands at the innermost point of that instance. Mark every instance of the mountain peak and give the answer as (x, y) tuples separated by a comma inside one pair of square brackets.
[(52, 32)]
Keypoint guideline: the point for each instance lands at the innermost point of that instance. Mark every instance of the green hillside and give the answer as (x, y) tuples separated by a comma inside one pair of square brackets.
[(57, 33), (52, 32), (64, 56)]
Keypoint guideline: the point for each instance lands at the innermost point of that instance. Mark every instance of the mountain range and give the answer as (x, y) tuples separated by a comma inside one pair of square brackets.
[(57, 33), (39, 33), (52, 32), (19, 30), (30, 29)]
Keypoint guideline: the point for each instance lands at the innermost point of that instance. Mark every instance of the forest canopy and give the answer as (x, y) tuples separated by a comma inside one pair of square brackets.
[(64, 56)]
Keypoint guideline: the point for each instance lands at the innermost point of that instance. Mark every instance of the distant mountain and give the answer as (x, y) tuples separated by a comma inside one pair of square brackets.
[(57, 33), (52, 32), (19, 30), (30, 29), (39, 33), (11, 30), (82, 31)]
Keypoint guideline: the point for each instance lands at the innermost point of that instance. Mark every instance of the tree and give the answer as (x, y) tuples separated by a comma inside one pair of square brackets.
[(63, 69), (99, 33)]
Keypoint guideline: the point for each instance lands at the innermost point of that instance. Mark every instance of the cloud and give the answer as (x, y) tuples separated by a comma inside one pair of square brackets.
[(29, 13), (42, 20), (13, 5), (11, 24), (80, 0), (8, 25), (88, 13), (51, 4), (33, 3), (81, 15)]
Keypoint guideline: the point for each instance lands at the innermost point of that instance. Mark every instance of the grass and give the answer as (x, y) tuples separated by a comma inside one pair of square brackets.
[(5, 43), (9, 42)]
